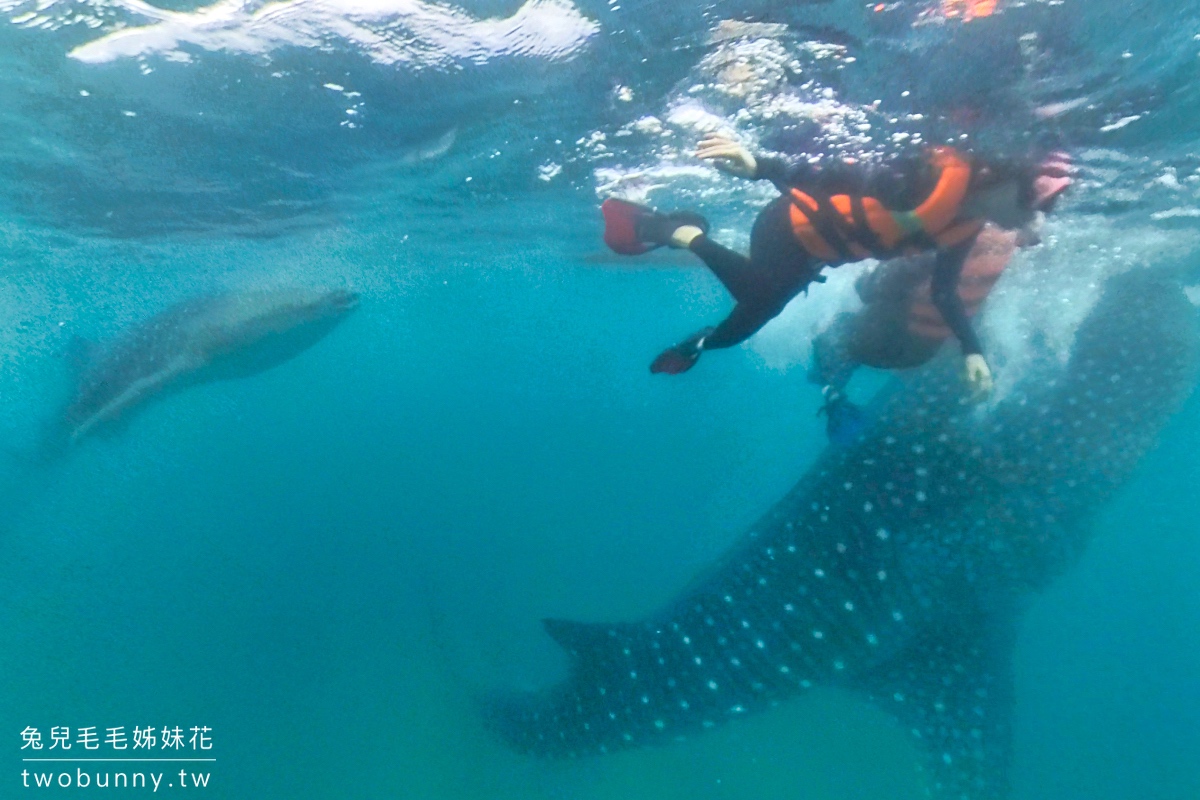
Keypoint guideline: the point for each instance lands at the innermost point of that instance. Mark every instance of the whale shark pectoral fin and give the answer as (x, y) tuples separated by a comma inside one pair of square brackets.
[(135, 393), (582, 640), (953, 688), (81, 352)]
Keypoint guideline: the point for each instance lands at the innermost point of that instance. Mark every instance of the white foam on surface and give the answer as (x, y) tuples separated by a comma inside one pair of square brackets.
[(394, 32), (755, 78)]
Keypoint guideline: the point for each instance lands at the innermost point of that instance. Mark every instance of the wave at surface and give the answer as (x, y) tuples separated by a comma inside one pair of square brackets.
[(408, 32)]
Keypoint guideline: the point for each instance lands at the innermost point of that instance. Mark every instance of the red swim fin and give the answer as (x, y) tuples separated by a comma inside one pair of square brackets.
[(682, 356), (620, 226), (672, 362)]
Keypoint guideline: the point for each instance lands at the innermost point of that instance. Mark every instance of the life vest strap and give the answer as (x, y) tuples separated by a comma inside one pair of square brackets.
[(862, 228), (803, 211), (820, 218), (849, 227), (844, 239)]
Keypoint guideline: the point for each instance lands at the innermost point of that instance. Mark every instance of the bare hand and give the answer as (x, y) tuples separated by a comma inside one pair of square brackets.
[(727, 155), (978, 376)]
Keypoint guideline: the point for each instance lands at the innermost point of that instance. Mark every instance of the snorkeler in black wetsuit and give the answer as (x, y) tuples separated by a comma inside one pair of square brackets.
[(832, 214)]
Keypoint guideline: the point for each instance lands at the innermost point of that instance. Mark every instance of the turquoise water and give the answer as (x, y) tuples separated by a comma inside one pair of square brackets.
[(333, 564)]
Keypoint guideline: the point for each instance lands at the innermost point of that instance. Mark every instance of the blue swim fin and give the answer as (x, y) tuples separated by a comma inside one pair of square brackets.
[(844, 421)]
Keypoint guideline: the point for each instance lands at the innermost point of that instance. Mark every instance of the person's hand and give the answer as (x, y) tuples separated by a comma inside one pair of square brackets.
[(727, 155), (978, 376)]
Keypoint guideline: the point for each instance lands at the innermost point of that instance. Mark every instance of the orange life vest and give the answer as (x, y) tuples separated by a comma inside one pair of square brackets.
[(968, 9), (982, 268), (843, 228)]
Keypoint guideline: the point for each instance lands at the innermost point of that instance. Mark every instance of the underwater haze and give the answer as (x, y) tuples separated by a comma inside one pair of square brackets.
[(336, 556)]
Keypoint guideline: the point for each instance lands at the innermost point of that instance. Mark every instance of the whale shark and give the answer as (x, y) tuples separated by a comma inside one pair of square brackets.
[(209, 338), (899, 566)]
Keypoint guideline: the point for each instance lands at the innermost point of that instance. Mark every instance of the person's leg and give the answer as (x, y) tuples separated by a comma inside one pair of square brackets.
[(632, 229), (762, 285), (776, 271), (777, 262), (782, 268), (734, 271), (743, 322), (833, 363), (731, 268)]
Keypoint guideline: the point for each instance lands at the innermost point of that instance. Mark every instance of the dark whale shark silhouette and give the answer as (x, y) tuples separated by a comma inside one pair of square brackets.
[(899, 566), (215, 337)]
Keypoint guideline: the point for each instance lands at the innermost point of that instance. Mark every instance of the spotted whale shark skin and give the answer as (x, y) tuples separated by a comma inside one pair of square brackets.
[(216, 337), (898, 567)]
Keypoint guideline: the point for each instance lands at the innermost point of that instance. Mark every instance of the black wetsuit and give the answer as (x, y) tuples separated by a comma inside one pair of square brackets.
[(779, 267)]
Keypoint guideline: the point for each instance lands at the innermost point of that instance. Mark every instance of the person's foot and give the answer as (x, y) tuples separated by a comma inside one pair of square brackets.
[(844, 421), (632, 229), (681, 357), (684, 235), (676, 229)]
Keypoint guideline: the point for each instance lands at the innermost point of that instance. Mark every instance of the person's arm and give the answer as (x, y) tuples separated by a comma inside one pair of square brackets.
[(945, 297), (786, 174), (834, 176), (731, 157), (946, 272)]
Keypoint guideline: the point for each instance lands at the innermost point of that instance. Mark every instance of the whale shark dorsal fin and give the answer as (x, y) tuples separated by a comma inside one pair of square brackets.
[(81, 352)]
